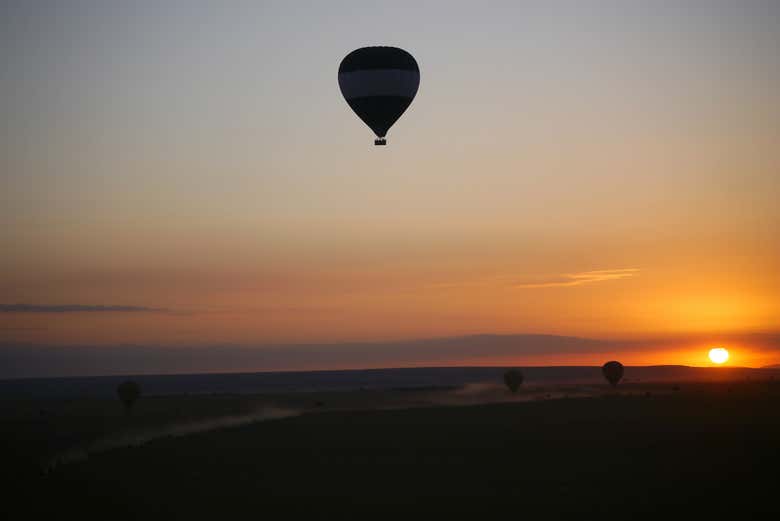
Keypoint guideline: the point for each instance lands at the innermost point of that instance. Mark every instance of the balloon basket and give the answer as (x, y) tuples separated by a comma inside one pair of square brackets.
[(380, 141)]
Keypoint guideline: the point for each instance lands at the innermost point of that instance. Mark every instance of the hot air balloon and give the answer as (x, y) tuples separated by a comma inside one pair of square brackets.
[(613, 372), (513, 379), (379, 84), (128, 392)]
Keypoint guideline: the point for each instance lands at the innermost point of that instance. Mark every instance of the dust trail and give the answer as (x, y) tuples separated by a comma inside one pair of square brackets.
[(479, 393), (140, 437)]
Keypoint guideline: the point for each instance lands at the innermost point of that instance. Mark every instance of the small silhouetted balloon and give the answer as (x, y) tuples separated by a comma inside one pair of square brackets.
[(613, 372), (128, 392), (513, 379)]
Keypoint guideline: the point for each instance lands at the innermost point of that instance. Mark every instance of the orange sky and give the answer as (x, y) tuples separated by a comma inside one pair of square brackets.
[(597, 173)]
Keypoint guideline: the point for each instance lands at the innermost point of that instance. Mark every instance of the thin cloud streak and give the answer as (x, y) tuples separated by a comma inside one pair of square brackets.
[(75, 308), (582, 278)]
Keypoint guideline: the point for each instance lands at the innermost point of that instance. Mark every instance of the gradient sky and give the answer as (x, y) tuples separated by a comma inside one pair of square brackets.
[(598, 169)]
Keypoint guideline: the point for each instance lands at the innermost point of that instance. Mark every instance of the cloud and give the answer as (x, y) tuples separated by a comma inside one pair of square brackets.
[(73, 308), (582, 278), (33, 360)]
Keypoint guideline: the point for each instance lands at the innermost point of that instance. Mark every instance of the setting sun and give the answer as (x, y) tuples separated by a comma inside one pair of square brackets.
[(719, 355)]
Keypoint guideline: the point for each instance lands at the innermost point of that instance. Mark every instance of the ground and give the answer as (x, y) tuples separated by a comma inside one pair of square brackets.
[(700, 448)]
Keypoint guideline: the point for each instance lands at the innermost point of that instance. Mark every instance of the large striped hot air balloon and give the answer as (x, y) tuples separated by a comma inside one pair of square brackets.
[(379, 83)]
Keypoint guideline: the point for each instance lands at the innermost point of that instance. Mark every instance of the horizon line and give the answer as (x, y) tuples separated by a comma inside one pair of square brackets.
[(770, 367)]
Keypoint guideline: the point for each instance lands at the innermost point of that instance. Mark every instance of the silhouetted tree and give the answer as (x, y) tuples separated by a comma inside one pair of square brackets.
[(513, 379), (128, 392)]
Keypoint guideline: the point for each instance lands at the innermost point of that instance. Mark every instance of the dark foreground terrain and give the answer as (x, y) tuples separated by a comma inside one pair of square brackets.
[(703, 449)]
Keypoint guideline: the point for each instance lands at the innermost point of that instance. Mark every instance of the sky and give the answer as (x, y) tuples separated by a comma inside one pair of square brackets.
[(187, 174)]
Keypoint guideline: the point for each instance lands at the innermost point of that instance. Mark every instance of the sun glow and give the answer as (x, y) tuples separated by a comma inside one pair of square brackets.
[(719, 355)]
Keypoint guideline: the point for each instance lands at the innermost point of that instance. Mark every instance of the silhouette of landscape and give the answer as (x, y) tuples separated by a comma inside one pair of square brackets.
[(664, 436)]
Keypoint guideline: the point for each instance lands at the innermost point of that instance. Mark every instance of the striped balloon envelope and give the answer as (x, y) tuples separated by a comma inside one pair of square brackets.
[(379, 84)]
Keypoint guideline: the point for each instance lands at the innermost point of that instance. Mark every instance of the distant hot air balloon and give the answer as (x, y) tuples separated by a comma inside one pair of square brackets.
[(513, 379), (128, 392), (379, 83), (613, 372)]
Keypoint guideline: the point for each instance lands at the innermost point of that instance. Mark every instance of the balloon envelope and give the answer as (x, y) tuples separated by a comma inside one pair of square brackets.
[(613, 372), (513, 379), (379, 84), (128, 392)]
